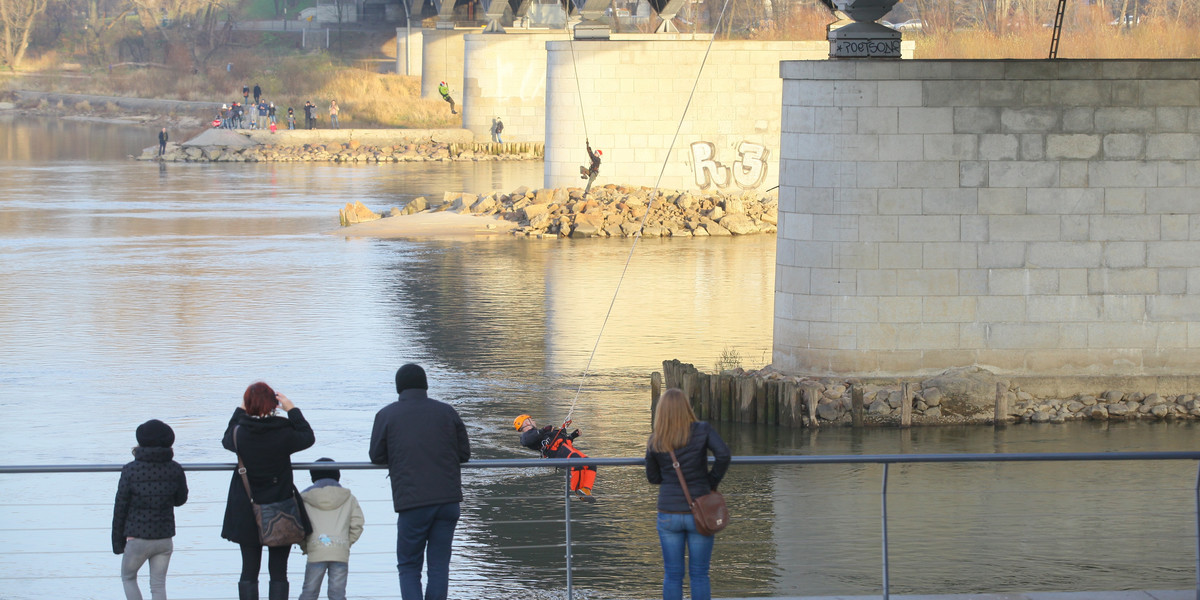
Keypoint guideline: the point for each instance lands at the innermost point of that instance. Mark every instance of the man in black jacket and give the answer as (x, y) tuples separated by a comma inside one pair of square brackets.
[(423, 442)]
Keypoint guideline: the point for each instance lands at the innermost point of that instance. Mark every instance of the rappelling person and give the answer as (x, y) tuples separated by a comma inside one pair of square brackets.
[(444, 90), (557, 443), (590, 173)]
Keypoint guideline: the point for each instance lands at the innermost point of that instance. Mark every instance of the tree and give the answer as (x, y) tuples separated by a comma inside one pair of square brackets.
[(16, 18)]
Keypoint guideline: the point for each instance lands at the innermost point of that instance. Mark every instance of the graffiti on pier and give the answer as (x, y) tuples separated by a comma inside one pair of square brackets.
[(747, 172)]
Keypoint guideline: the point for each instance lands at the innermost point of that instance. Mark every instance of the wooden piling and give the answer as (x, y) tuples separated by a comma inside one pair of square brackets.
[(906, 405), (656, 381), (856, 405), (811, 396), (1000, 419)]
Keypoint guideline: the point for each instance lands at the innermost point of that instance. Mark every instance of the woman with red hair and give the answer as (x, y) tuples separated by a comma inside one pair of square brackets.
[(265, 442)]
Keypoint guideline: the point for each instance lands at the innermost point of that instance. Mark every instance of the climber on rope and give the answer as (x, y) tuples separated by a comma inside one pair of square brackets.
[(557, 443), (444, 90), (590, 173)]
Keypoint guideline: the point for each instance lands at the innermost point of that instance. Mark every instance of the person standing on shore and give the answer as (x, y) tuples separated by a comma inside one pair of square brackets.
[(497, 129), (257, 93), (424, 443), (162, 141), (271, 112), (245, 94), (291, 118), (308, 114), (333, 114)]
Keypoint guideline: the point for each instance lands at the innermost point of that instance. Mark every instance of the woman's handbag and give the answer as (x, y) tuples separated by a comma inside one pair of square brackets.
[(279, 522), (709, 510)]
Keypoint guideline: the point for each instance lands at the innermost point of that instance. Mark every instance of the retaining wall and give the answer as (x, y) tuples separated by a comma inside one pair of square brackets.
[(1033, 217)]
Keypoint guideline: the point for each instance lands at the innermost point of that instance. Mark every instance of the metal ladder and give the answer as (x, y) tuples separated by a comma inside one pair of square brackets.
[(1058, 21)]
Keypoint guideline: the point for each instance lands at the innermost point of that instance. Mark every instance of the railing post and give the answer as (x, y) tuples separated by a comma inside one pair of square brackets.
[(567, 522), (883, 503)]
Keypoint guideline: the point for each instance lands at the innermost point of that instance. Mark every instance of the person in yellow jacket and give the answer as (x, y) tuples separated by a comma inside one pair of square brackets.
[(337, 522)]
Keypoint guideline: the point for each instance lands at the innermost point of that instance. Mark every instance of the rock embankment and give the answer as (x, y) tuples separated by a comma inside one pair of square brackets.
[(964, 395), (351, 151), (607, 211)]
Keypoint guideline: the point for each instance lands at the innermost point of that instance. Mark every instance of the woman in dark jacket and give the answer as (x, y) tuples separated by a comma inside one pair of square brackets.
[(265, 443), (144, 512), (676, 428)]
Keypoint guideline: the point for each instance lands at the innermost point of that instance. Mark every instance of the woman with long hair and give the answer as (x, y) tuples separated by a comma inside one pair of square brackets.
[(265, 442), (676, 429)]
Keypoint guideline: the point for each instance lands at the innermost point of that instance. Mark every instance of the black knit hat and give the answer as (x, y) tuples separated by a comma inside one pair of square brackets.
[(155, 434), (333, 474), (411, 377)]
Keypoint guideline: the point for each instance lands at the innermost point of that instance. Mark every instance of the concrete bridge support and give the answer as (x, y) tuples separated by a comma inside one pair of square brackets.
[(442, 60), (1034, 217), (633, 92), (505, 76)]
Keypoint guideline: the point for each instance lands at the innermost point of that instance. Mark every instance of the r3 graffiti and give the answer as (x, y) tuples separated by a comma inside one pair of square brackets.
[(747, 172)]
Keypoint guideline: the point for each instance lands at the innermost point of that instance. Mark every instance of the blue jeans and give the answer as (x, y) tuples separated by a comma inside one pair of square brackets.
[(315, 572), (424, 534), (675, 532)]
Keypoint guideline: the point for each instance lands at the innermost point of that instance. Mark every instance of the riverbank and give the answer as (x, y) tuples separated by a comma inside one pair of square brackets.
[(606, 211), (962, 396)]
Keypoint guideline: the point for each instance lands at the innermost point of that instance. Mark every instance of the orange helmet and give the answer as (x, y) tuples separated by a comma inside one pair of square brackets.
[(519, 421)]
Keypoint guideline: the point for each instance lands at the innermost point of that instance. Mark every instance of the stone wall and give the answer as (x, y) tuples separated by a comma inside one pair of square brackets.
[(505, 76), (1034, 217), (442, 56), (628, 98)]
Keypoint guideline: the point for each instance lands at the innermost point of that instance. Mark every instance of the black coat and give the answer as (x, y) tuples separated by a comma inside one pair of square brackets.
[(265, 445), (423, 442), (151, 486), (693, 461)]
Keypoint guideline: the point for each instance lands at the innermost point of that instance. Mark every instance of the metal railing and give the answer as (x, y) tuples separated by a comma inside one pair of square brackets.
[(885, 460)]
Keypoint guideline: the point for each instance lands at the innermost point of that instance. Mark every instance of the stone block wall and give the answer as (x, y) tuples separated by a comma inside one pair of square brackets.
[(629, 96), (442, 58), (505, 76), (1033, 217)]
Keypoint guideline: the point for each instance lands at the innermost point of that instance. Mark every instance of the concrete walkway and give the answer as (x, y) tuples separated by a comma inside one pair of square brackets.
[(1131, 595)]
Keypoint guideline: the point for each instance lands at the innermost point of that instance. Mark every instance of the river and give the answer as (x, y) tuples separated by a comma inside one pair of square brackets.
[(133, 290)]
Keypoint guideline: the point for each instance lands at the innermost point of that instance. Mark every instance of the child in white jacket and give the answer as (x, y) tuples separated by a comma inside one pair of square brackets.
[(337, 523)]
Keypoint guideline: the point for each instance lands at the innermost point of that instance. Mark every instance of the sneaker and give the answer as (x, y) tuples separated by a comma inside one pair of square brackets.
[(585, 495)]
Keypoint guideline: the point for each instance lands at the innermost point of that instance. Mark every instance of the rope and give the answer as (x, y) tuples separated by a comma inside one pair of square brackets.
[(575, 66), (638, 236)]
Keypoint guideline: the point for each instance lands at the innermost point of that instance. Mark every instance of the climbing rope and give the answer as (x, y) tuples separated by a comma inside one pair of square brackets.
[(575, 66), (638, 236)]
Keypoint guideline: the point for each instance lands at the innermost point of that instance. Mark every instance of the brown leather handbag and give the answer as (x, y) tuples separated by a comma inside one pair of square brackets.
[(709, 510)]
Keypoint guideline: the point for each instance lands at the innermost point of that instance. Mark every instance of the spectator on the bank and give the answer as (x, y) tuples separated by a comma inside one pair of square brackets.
[(333, 114), (271, 112), (262, 114), (291, 118), (253, 116), (257, 93), (162, 141), (424, 443), (308, 114), (245, 94), (497, 129)]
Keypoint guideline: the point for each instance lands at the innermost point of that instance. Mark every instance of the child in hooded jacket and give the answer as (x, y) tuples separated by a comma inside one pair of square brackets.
[(337, 522), (150, 488)]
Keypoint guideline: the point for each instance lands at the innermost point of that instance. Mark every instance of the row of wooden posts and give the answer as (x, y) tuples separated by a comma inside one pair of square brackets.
[(534, 148), (750, 399)]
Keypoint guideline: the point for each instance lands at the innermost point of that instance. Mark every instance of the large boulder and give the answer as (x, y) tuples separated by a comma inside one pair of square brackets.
[(356, 213), (965, 391)]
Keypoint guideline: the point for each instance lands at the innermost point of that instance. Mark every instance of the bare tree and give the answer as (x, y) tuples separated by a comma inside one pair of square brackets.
[(17, 18)]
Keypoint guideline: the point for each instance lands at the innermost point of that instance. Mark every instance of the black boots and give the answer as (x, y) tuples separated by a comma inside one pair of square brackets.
[(278, 590), (248, 590)]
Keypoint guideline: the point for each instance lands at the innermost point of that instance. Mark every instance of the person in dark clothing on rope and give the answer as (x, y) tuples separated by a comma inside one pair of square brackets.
[(557, 443), (590, 173)]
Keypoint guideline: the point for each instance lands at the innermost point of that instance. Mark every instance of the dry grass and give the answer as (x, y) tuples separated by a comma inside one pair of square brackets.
[(1148, 40)]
